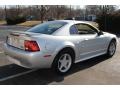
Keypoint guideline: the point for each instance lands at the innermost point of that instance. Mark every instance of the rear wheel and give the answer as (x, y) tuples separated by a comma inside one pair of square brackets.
[(63, 62), (111, 49)]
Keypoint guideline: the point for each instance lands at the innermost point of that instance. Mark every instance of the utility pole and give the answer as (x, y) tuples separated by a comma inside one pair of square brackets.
[(5, 12), (70, 11), (57, 12), (85, 13), (42, 13), (105, 13)]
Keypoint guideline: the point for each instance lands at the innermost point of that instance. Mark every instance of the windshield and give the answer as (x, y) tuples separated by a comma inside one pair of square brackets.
[(48, 27)]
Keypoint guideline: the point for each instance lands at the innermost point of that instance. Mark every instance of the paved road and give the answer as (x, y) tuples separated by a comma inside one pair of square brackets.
[(100, 70)]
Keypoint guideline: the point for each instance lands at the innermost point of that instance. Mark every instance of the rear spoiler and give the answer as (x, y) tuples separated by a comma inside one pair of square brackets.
[(18, 33)]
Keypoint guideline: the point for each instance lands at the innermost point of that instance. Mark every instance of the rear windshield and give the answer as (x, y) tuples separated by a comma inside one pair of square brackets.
[(48, 27)]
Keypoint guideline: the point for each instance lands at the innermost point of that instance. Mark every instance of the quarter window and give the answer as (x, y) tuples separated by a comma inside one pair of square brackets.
[(73, 30)]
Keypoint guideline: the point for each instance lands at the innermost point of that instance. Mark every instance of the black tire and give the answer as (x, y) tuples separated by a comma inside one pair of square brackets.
[(55, 63), (108, 51)]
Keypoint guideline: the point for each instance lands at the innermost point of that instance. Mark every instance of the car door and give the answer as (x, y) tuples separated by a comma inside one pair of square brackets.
[(91, 44)]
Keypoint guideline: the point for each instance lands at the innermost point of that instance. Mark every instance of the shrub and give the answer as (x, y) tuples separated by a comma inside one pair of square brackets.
[(109, 22), (15, 20)]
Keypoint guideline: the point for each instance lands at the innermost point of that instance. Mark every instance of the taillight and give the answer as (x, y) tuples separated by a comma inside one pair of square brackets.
[(31, 46)]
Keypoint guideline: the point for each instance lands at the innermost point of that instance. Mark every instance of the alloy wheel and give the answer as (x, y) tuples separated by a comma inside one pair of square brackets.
[(64, 62)]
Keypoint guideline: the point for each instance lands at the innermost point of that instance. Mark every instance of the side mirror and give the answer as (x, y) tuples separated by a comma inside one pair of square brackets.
[(100, 33)]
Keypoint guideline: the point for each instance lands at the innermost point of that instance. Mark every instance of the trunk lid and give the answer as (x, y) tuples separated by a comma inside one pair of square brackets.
[(17, 38)]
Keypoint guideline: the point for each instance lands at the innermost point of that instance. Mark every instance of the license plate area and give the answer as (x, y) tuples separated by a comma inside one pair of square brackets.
[(16, 40), (13, 41)]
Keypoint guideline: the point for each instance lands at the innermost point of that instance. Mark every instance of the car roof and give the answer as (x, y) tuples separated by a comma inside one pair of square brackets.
[(75, 21), (72, 22)]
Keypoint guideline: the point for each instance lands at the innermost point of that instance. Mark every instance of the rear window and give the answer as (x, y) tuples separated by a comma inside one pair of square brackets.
[(48, 27)]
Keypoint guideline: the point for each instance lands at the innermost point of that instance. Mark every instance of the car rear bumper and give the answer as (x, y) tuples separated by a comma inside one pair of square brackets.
[(27, 59)]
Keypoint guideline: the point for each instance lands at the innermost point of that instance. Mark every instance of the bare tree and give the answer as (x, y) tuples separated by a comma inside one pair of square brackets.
[(100, 9), (43, 12)]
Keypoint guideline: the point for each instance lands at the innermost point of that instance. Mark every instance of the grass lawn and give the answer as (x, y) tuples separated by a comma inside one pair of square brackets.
[(94, 24), (29, 23), (2, 22)]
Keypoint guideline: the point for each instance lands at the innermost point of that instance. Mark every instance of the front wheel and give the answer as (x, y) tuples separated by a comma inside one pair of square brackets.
[(63, 62), (111, 49)]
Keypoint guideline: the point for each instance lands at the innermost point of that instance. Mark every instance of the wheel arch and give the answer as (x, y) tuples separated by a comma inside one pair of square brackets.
[(68, 48), (113, 39), (65, 48), (66, 45)]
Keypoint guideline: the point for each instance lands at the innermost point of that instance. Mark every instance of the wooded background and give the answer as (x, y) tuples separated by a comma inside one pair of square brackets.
[(108, 16)]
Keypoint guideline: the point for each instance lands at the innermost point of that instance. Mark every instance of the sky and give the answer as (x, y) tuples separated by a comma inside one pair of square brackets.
[(73, 6), (60, 2)]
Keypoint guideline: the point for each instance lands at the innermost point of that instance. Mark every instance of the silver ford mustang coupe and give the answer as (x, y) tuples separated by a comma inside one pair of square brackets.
[(58, 45)]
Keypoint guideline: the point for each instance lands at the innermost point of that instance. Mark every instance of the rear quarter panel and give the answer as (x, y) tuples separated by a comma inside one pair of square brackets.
[(54, 44)]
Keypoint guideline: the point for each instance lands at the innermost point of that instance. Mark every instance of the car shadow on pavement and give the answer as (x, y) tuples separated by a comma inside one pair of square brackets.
[(45, 76)]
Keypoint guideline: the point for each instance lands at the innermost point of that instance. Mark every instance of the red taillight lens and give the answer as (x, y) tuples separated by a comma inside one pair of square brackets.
[(31, 46)]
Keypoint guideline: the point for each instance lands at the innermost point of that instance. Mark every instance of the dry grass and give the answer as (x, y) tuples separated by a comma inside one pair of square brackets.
[(2, 22), (29, 23), (94, 24)]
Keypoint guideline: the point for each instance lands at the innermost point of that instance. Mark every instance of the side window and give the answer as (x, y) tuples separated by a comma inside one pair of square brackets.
[(85, 29), (73, 30)]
